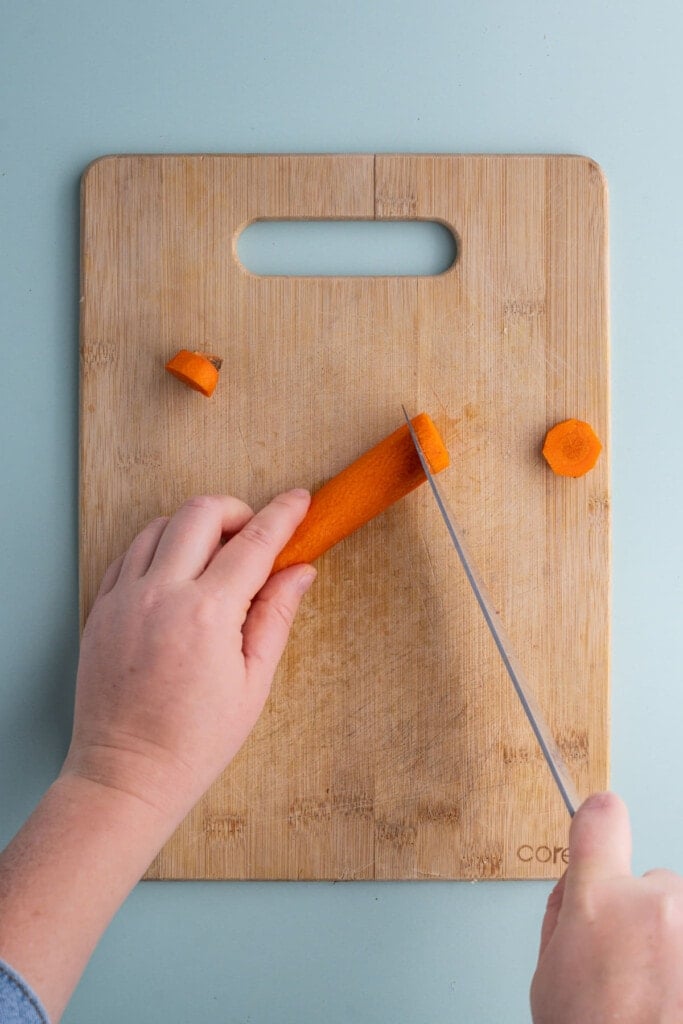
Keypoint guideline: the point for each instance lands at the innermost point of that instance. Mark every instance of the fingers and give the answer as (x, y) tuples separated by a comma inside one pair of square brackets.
[(136, 560), (552, 912), (599, 842), (270, 617), (193, 535), (245, 562), (110, 577), (180, 548)]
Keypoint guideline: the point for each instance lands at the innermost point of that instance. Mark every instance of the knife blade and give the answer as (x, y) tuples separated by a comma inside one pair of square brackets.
[(551, 752)]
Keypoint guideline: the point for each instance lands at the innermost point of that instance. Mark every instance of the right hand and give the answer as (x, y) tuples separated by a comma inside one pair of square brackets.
[(611, 944)]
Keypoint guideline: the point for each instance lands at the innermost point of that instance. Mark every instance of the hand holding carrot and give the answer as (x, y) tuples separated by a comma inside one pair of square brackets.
[(177, 659), (611, 944), (180, 648)]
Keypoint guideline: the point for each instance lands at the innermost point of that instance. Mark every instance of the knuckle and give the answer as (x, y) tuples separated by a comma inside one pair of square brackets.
[(287, 500), (157, 523), (218, 506), (257, 534), (150, 599), (199, 503), (555, 898), (207, 610), (283, 613), (669, 914), (284, 499), (587, 902)]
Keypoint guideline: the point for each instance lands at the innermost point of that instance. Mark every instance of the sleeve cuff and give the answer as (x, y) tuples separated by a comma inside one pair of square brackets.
[(18, 1002)]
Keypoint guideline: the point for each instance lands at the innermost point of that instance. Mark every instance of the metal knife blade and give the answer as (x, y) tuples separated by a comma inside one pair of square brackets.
[(540, 727)]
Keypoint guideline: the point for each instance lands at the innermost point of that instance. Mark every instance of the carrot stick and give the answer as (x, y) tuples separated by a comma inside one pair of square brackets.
[(196, 369), (372, 483), (571, 448)]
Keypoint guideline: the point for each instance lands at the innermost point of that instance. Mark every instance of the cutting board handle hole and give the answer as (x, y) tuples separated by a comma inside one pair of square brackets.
[(346, 248)]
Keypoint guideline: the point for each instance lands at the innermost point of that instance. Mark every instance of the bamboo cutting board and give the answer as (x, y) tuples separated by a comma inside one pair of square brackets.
[(392, 746)]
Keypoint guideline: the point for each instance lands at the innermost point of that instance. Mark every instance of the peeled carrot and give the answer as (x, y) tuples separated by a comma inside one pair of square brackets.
[(196, 369), (571, 448), (372, 483)]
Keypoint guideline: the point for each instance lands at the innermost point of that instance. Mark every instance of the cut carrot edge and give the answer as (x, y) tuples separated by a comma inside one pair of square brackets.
[(571, 448), (379, 478), (195, 369)]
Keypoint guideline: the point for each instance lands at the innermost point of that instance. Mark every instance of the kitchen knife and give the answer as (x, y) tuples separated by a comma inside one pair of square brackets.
[(549, 747)]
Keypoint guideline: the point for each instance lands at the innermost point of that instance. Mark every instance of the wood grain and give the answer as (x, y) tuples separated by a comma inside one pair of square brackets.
[(392, 745)]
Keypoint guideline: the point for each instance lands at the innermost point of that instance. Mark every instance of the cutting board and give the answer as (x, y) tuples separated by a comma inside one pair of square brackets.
[(392, 745)]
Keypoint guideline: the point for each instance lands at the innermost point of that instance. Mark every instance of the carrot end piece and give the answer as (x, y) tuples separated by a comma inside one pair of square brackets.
[(195, 369), (433, 448), (377, 479), (571, 448)]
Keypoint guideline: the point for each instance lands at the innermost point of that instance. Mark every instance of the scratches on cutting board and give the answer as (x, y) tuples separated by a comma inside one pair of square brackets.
[(430, 561), (247, 452), (551, 359), (442, 405)]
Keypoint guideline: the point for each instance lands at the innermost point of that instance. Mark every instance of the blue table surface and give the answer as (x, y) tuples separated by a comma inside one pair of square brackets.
[(81, 79)]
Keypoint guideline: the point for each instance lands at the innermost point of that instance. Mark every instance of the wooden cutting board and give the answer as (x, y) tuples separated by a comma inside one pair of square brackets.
[(392, 746)]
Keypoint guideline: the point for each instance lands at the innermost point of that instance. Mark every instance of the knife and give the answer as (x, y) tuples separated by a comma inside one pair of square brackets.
[(551, 751)]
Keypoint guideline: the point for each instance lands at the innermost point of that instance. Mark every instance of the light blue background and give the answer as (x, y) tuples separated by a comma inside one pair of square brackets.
[(81, 78)]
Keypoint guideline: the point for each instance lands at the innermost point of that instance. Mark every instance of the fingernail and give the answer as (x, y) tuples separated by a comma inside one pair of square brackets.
[(306, 579), (300, 492)]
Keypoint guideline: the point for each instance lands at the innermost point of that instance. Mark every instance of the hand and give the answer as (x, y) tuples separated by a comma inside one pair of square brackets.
[(180, 647), (611, 944), (176, 663)]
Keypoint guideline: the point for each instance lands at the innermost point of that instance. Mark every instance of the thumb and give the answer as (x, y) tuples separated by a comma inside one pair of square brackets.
[(269, 620), (599, 842)]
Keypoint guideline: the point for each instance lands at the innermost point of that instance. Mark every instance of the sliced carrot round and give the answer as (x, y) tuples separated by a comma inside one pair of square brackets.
[(571, 448)]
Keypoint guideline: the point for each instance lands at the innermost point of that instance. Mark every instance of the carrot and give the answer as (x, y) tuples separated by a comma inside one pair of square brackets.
[(198, 370), (571, 448), (367, 487)]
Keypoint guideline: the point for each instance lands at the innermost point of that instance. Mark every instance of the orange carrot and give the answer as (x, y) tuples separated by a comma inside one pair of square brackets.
[(196, 369), (367, 487), (571, 448)]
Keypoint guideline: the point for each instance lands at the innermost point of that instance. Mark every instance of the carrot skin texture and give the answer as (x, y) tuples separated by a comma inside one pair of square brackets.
[(379, 478)]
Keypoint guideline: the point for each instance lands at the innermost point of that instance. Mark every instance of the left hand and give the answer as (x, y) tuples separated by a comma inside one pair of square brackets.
[(180, 648)]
